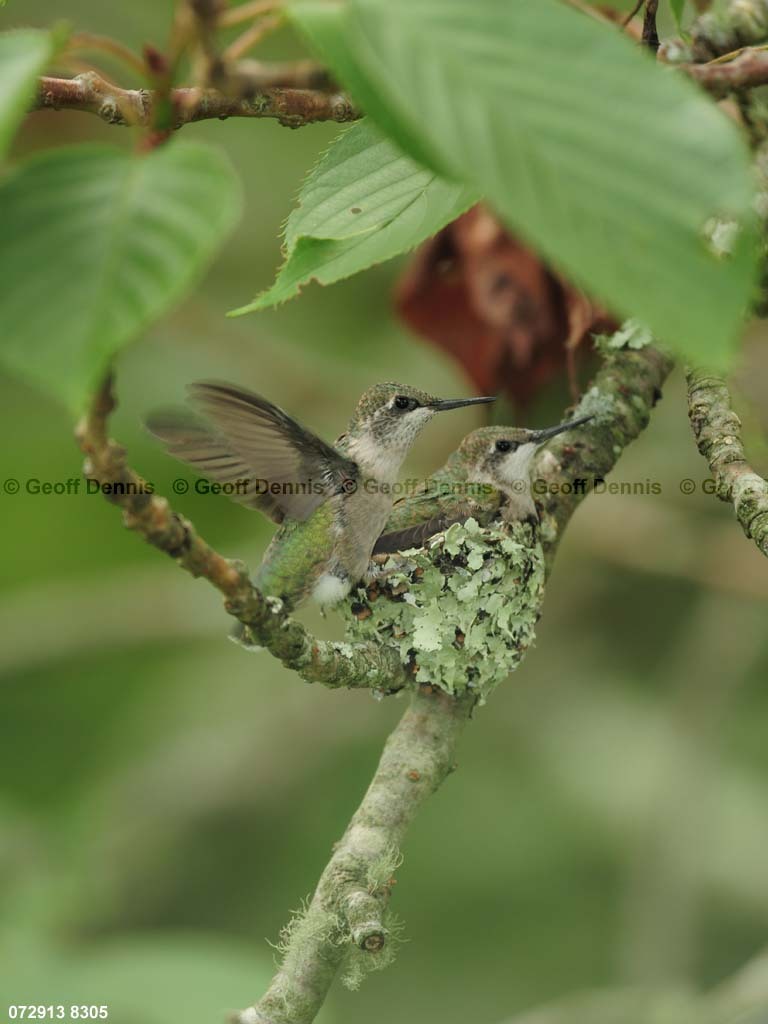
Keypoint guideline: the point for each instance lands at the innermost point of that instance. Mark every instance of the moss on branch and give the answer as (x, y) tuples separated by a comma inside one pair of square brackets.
[(717, 430), (622, 395), (325, 937)]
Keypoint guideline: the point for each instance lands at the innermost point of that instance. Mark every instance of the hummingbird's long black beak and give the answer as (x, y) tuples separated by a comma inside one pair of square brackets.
[(441, 404), (543, 435)]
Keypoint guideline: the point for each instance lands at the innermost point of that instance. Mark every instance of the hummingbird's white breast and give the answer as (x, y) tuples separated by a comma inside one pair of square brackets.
[(330, 589)]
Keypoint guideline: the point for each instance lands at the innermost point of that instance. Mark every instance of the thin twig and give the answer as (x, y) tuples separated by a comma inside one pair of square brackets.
[(251, 37), (333, 665), (103, 44), (749, 70), (717, 430), (632, 13), (299, 93), (590, 11), (650, 36), (246, 12), (252, 76), (291, 107)]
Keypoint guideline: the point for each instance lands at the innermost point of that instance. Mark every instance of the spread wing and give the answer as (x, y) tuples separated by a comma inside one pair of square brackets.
[(288, 470)]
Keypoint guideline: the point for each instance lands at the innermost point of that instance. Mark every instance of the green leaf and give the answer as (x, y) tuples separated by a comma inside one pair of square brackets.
[(98, 242), (363, 203), (23, 56), (148, 977), (677, 10), (609, 164), (327, 28)]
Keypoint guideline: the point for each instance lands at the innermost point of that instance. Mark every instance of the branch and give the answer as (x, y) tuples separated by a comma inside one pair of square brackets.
[(623, 392), (728, 25), (747, 71), (650, 36), (332, 664), (244, 12), (420, 752), (292, 107), (346, 917), (717, 430), (252, 76)]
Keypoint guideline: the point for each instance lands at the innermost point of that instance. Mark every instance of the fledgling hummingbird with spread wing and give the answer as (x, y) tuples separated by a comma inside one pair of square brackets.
[(332, 501), (488, 475)]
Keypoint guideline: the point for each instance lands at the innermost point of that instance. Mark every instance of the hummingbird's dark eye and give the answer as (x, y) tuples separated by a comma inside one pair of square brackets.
[(505, 446), (402, 402)]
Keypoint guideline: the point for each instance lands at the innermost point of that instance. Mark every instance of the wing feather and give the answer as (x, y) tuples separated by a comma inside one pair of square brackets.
[(414, 536), (289, 470)]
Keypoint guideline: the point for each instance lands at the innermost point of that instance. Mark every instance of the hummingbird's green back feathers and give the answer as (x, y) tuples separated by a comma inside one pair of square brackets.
[(297, 556)]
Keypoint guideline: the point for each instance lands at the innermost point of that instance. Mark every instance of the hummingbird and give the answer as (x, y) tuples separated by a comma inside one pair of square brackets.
[(331, 501), (488, 475)]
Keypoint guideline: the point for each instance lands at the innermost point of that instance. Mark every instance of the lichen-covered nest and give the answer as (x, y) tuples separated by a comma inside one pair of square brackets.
[(462, 611)]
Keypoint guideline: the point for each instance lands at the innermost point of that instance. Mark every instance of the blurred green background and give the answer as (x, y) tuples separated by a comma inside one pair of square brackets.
[(167, 798)]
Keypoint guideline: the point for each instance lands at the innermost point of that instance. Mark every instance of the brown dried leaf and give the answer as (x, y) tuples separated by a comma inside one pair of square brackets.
[(483, 296)]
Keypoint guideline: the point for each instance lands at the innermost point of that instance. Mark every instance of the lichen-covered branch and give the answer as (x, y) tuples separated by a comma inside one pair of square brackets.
[(332, 664), (747, 71), (345, 924), (717, 430), (722, 49), (623, 393), (292, 107), (727, 26)]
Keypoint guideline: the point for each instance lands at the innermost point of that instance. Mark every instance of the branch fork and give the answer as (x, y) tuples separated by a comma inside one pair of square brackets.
[(345, 926)]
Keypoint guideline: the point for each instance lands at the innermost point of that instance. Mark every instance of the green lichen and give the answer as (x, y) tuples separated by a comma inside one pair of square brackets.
[(598, 404), (461, 612), (308, 925), (312, 924), (631, 334), (380, 871)]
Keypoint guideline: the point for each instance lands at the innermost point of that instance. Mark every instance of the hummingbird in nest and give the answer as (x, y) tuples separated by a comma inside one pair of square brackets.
[(488, 476), (331, 501)]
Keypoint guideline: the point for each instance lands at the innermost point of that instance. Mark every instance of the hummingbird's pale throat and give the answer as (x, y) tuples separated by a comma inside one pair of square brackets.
[(499, 460)]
